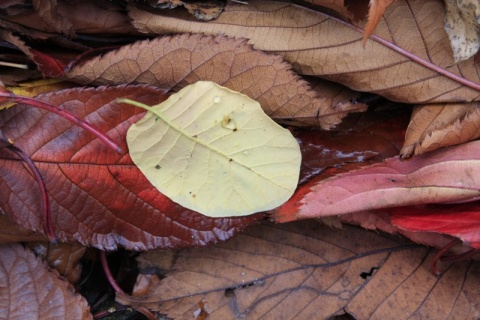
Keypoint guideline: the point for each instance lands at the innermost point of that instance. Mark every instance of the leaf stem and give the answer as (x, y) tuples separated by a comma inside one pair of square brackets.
[(65, 114), (108, 274), (413, 57)]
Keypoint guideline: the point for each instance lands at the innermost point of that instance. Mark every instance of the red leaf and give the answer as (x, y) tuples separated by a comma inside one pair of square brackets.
[(97, 196), (459, 220), (442, 176)]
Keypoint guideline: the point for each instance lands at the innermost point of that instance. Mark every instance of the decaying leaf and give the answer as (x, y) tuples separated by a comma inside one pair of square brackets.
[(445, 175), (462, 24), (317, 44), (98, 197), (174, 62), (203, 10), (215, 151), (305, 271), (435, 126), (29, 290)]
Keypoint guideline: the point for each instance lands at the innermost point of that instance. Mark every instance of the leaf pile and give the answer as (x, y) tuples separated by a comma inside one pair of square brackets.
[(283, 55)]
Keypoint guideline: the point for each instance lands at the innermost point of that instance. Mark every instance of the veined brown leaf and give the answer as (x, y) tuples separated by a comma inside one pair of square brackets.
[(174, 62), (30, 291), (435, 126), (304, 270), (413, 63)]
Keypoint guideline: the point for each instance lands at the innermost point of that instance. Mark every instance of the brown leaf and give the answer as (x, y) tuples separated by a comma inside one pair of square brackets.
[(202, 10), (30, 291), (97, 197), (69, 17), (306, 271), (436, 126), (355, 10), (63, 257), (48, 10), (375, 12), (174, 62), (317, 44)]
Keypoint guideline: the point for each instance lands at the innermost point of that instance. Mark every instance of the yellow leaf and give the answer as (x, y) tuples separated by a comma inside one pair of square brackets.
[(215, 151)]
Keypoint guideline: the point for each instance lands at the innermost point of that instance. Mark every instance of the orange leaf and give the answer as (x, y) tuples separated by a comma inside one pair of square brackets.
[(375, 12)]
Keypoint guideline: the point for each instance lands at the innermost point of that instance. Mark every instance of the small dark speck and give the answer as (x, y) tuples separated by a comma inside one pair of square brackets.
[(157, 166), (393, 180), (230, 160), (195, 136), (235, 129)]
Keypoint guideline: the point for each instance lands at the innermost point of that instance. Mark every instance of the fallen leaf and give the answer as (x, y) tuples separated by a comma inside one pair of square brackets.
[(462, 26), (408, 59), (98, 197), (46, 64), (355, 10), (460, 220), (446, 175), (30, 291), (62, 257), (375, 12), (202, 10), (437, 126), (305, 271), (215, 151), (70, 17), (10, 232), (174, 62)]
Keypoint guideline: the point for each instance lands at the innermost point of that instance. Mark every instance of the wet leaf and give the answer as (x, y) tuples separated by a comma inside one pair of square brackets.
[(215, 151), (446, 175), (437, 126), (30, 291), (413, 63), (98, 197), (305, 271), (174, 62)]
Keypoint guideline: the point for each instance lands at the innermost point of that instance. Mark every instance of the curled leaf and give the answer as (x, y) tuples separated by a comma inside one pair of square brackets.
[(435, 126), (441, 176), (215, 151)]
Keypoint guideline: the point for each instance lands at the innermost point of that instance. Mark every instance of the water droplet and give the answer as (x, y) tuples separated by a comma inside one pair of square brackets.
[(216, 99)]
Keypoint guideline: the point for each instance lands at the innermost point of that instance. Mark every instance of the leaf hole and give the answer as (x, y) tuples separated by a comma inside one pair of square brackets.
[(365, 275)]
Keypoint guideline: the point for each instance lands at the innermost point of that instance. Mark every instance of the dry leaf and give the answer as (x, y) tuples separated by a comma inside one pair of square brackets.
[(63, 257), (49, 11), (202, 10), (355, 10), (98, 197), (375, 13), (306, 271), (29, 290), (317, 44), (435, 126), (463, 28), (174, 62)]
